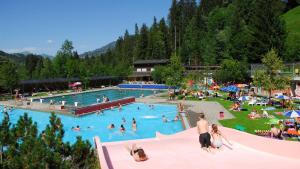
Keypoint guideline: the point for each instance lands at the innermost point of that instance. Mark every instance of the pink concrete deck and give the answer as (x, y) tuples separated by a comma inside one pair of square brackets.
[(182, 150)]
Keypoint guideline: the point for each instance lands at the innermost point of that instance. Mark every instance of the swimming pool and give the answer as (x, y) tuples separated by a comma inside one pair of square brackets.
[(89, 98), (149, 121)]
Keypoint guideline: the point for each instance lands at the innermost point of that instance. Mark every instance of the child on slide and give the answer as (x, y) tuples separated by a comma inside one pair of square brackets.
[(217, 137)]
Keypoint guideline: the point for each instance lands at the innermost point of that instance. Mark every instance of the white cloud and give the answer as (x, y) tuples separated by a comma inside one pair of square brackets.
[(49, 41), (25, 49)]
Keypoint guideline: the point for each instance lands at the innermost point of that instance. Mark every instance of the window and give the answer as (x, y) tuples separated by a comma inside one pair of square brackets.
[(138, 69), (144, 69), (152, 69)]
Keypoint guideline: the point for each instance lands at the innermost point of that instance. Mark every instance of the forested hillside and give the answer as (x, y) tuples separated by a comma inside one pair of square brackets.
[(292, 20), (209, 33)]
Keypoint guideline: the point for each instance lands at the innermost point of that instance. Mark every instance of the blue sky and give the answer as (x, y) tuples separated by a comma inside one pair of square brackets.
[(40, 26)]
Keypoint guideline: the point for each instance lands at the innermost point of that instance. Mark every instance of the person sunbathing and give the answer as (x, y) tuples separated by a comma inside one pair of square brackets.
[(217, 137), (137, 153), (265, 114), (235, 107), (254, 114)]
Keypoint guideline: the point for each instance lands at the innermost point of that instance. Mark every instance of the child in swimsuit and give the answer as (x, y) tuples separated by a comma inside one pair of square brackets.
[(217, 137)]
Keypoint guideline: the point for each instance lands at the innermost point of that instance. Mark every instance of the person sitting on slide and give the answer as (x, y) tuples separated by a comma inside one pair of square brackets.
[(137, 153), (217, 137)]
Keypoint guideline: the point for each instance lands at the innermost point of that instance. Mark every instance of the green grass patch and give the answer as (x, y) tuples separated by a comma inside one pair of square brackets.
[(241, 117)]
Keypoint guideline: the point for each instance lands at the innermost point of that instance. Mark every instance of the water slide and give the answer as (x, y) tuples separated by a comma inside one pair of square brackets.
[(182, 150)]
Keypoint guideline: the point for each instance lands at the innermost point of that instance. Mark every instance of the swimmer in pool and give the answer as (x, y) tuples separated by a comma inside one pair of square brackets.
[(176, 118), (122, 129), (111, 126), (134, 126), (138, 108), (120, 107), (165, 120), (123, 120), (99, 112), (77, 128)]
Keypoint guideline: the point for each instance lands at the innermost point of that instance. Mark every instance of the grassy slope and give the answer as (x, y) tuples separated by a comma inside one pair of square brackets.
[(292, 19), (242, 117)]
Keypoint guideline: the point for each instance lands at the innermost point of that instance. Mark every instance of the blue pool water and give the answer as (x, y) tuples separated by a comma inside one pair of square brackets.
[(148, 122), (89, 98)]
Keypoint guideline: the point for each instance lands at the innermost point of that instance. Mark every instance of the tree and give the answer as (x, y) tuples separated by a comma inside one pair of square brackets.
[(158, 74), (231, 71), (156, 45), (60, 61), (82, 154), (267, 28), (25, 148), (269, 78), (5, 135), (190, 50), (9, 76), (142, 43), (47, 69), (174, 71)]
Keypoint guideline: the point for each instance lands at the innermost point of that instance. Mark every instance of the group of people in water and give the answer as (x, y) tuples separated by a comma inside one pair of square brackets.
[(122, 128)]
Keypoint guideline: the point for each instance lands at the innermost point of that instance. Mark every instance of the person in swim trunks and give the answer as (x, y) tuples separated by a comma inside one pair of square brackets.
[(204, 136)]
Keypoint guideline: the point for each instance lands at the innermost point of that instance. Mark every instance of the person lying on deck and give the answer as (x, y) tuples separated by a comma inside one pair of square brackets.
[(137, 153)]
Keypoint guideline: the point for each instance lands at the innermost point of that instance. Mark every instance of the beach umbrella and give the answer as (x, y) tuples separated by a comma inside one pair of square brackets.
[(77, 84), (244, 98), (224, 89), (232, 88), (282, 97), (292, 113)]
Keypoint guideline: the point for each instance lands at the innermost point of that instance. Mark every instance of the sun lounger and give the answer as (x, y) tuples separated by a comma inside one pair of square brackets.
[(262, 103), (252, 102)]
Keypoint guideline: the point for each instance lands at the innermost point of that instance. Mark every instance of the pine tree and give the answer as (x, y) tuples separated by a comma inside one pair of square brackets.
[(163, 28), (268, 28), (143, 43)]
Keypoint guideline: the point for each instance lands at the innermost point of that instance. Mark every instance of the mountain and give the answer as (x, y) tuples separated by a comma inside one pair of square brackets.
[(20, 58), (26, 53), (101, 50), (46, 56)]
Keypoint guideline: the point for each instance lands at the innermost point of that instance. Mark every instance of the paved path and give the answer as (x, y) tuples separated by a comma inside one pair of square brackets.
[(210, 109)]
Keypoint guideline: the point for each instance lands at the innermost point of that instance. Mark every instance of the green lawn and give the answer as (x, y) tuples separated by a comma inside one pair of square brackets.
[(241, 117)]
